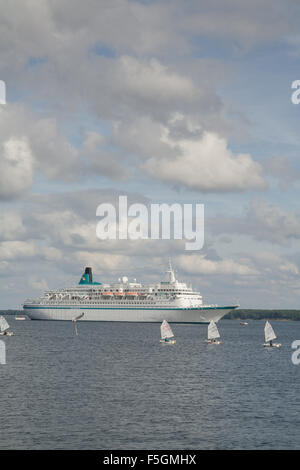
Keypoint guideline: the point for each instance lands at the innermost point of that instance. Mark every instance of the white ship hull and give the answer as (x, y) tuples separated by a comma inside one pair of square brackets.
[(111, 314)]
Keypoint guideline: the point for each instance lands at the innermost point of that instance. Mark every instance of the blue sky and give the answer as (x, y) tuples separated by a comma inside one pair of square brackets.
[(166, 101)]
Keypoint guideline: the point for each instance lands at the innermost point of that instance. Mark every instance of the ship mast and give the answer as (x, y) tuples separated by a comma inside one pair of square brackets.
[(170, 272)]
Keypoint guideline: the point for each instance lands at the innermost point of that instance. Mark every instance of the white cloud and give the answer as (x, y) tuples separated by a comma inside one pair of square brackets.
[(16, 167), (133, 87), (246, 23), (274, 263), (11, 250), (152, 81), (262, 221), (38, 284), (101, 161), (140, 137), (92, 141), (16, 250), (32, 143), (102, 262), (55, 156), (281, 169), (63, 29), (11, 226), (206, 164), (50, 253), (198, 264), (272, 222)]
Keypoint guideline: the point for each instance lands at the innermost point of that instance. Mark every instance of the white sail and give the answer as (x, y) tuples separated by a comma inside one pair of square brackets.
[(74, 320), (3, 324), (78, 317), (212, 331), (269, 332), (165, 330)]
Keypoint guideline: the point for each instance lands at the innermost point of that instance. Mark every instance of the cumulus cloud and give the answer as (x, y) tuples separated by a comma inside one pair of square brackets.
[(60, 28), (262, 221), (152, 81), (103, 263), (281, 169), (272, 222), (131, 87), (198, 264), (101, 160), (11, 226), (55, 156), (138, 94), (93, 140), (11, 250), (140, 137), (247, 23), (31, 143), (268, 262), (206, 164), (38, 284), (16, 250), (16, 167)]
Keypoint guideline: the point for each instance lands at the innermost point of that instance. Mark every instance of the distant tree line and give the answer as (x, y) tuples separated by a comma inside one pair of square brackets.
[(11, 312), (244, 314)]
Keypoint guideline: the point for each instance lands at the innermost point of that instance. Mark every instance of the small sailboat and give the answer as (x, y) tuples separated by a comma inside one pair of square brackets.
[(270, 336), (166, 333), (213, 334), (74, 320), (4, 326)]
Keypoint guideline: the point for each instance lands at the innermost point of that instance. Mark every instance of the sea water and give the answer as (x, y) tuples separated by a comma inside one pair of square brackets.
[(114, 386)]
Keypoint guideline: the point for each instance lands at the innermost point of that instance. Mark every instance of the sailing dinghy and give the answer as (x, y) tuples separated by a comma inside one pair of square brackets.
[(74, 320), (270, 336), (213, 334), (166, 333), (4, 326)]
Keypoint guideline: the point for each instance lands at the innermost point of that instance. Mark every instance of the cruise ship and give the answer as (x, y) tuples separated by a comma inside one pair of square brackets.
[(125, 301)]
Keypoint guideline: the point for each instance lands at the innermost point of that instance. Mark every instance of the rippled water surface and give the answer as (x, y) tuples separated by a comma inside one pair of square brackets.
[(115, 387)]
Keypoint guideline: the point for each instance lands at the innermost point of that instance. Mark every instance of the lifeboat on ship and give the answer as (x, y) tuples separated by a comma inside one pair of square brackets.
[(107, 295), (131, 295), (119, 295), (142, 295)]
